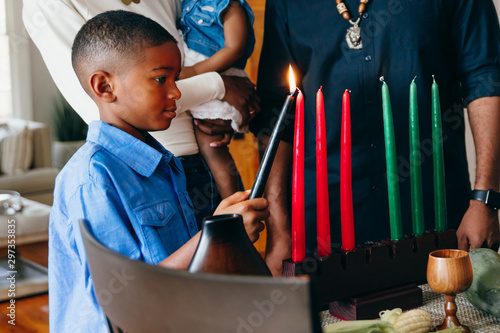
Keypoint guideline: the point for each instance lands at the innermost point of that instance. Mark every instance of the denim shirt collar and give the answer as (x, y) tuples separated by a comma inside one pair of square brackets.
[(142, 157)]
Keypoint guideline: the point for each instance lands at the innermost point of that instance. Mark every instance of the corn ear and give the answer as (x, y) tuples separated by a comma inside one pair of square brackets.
[(413, 321)]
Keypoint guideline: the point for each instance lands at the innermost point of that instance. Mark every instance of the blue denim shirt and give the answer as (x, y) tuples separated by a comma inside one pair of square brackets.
[(203, 29), (134, 195)]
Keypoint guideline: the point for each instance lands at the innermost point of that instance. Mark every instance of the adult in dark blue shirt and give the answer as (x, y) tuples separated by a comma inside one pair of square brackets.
[(457, 41)]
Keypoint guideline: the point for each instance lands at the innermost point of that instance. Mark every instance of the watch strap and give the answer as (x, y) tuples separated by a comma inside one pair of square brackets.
[(489, 197)]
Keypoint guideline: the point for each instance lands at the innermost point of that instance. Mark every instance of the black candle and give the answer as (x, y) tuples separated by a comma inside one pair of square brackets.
[(267, 160)]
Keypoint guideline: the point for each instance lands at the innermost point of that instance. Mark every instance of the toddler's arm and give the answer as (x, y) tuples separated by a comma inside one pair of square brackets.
[(235, 38)]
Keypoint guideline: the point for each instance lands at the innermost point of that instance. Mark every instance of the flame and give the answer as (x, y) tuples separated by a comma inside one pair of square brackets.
[(291, 79)]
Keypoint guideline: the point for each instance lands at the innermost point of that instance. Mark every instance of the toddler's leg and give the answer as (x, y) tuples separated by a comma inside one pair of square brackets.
[(220, 162)]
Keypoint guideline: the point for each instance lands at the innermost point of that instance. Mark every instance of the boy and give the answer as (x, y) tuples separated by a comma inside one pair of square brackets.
[(130, 188)]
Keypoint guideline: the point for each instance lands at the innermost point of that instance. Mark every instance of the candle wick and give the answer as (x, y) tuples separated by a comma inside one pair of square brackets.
[(382, 78), (433, 78), (414, 78)]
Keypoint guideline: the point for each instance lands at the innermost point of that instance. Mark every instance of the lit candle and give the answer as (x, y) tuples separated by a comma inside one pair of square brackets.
[(417, 201), (346, 209), (267, 159), (322, 201), (391, 166), (298, 200), (438, 161)]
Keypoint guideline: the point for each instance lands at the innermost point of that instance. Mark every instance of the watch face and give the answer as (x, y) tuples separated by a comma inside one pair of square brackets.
[(490, 198), (493, 199)]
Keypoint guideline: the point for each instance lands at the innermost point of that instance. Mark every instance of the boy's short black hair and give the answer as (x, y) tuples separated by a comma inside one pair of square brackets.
[(110, 40)]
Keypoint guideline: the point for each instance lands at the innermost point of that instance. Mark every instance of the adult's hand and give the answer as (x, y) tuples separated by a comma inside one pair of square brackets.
[(479, 227), (216, 126), (241, 93), (253, 212)]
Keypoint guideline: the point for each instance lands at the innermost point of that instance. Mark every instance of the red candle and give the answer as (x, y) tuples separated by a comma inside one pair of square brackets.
[(298, 205), (322, 201), (346, 210)]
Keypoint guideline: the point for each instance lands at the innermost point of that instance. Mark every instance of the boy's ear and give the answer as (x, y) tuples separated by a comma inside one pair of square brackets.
[(102, 86)]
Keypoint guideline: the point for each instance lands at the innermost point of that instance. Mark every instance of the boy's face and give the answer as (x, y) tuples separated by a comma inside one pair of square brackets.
[(146, 94)]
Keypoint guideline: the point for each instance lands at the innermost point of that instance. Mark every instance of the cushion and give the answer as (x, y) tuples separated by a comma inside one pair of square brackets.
[(16, 150)]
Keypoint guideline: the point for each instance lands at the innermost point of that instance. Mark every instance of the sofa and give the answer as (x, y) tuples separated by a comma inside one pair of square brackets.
[(26, 160)]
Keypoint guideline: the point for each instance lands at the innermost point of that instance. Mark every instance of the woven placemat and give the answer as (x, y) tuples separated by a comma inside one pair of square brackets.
[(478, 321)]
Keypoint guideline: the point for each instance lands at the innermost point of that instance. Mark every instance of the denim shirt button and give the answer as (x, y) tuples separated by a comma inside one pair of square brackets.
[(160, 216), (365, 15)]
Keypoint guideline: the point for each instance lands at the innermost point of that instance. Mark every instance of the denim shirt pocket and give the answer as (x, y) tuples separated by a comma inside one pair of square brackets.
[(157, 222), (202, 20)]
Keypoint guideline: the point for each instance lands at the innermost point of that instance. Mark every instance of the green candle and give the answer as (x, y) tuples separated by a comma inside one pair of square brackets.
[(417, 201), (438, 161), (391, 165)]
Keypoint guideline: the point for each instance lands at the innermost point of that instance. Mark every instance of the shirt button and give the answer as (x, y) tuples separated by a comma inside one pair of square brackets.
[(373, 145), (365, 15), (368, 58), (191, 225), (160, 216), (200, 21), (374, 188)]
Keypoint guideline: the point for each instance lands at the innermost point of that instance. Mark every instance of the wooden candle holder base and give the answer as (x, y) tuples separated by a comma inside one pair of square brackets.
[(369, 306), (370, 269)]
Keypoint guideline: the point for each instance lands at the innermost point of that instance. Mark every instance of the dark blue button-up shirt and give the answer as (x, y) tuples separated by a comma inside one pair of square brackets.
[(457, 41), (134, 196)]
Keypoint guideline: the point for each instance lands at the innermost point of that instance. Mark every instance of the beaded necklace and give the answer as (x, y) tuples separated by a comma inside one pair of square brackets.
[(353, 36), (127, 2)]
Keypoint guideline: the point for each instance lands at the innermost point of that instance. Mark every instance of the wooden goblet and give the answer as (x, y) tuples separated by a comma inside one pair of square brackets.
[(449, 272)]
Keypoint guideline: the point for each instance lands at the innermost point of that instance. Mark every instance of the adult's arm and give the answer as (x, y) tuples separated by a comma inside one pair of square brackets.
[(53, 25), (278, 242), (272, 87), (480, 225), (476, 39)]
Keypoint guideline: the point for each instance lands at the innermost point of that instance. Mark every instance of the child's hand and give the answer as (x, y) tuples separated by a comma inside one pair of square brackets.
[(214, 127), (187, 72), (253, 212)]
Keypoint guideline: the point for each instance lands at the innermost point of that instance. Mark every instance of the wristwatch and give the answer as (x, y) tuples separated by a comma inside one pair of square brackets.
[(489, 197)]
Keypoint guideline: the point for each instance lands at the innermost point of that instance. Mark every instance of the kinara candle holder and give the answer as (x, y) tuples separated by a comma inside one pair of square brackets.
[(373, 277)]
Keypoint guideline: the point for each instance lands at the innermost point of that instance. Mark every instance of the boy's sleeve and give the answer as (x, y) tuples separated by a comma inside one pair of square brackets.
[(107, 216)]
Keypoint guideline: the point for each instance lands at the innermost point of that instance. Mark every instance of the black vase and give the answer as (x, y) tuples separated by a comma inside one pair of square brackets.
[(225, 248)]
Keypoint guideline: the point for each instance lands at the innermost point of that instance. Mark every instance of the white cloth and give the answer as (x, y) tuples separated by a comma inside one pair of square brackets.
[(215, 109), (53, 25)]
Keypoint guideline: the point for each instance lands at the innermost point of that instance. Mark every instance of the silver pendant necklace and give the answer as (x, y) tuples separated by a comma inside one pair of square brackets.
[(353, 36)]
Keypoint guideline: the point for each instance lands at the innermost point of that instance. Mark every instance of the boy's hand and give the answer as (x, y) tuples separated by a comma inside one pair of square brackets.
[(253, 212), (240, 93)]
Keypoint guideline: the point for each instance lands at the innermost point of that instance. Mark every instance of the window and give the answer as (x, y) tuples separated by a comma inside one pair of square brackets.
[(16, 98), (5, 83)]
